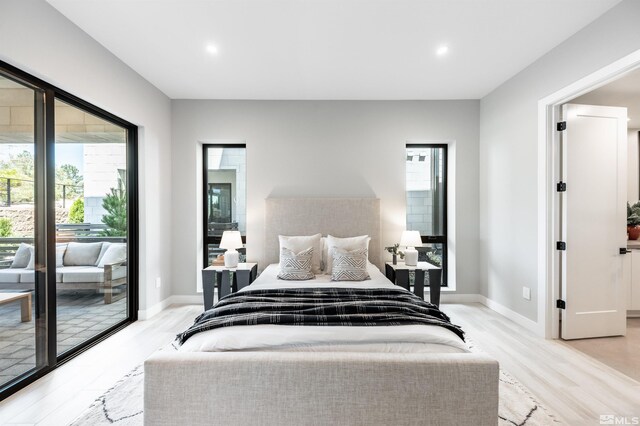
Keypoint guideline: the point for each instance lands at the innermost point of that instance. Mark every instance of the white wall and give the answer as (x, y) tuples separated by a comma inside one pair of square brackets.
[(36, 38), (508, 153), (318, 149)]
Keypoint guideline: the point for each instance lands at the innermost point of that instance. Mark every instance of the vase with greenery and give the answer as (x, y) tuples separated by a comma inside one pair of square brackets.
[(633, 220), (395, 252)]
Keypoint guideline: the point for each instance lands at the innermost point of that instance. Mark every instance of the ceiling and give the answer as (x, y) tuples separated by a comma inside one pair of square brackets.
[(330, 49), (624, 92)]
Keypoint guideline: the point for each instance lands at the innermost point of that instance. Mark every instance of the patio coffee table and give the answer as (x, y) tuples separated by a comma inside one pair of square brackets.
[(25, 303)]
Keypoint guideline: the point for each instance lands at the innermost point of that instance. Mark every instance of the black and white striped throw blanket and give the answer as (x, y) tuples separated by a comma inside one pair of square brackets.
[(321, 307)]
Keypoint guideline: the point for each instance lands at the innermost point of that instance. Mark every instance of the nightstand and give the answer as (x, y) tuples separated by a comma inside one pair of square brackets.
[(399, 275), (220, 276)]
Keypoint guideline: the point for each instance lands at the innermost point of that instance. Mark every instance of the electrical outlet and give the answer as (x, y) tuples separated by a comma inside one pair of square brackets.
[(526, 293), (158, 282)]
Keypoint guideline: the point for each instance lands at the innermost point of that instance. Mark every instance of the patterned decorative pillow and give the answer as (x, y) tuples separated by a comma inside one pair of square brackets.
[(349, 265), (295, 267)]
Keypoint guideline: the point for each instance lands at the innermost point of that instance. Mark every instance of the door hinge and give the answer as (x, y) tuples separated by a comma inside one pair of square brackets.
[(561, 245), (561, 187), (561, 304), (562, 125)]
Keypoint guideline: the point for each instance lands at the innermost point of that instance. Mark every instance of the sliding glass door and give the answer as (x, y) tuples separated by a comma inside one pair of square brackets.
[(68, 234), (22, 326), (91, 225)]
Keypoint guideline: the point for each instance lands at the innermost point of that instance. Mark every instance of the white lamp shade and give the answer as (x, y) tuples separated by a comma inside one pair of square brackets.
[(410, 239), (231, 240)]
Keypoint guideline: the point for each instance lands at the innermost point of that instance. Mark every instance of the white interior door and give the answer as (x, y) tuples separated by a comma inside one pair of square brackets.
[(594, 167)]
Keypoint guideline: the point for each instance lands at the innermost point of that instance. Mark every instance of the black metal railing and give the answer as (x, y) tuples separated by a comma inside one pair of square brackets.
[(10, 187)]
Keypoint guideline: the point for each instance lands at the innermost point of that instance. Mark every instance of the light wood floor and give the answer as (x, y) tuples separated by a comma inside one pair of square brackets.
[(621, 352), (572, 385)]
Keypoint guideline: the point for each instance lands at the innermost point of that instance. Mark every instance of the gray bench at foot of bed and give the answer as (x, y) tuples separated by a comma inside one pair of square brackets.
[(276, 388)]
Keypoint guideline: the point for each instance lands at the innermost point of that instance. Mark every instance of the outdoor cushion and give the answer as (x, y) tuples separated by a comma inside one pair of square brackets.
[(10, 275), (82, 274), (28, 276), (22, 256), (103, 250), (116, 253), (82, 254), (60, 249)]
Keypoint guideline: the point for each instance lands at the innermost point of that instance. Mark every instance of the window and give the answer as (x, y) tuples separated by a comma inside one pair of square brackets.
[(67, 178), (224, 197), (426, 174)]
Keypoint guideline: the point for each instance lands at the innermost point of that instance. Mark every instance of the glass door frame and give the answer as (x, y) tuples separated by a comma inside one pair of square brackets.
[(206, 238), (45, 226), (441, 238)]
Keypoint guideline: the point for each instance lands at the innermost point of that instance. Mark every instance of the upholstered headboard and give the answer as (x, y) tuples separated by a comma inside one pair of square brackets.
[(340, 217)]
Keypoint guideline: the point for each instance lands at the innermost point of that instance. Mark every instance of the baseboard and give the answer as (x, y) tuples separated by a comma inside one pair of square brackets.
[(176, 299), (508, 313), (145, 314)]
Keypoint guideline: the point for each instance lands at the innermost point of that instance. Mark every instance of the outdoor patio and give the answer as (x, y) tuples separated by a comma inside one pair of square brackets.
[(81, 315)]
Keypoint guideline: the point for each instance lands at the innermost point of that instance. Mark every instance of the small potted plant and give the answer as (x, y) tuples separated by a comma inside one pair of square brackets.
[(395, 252), (633, 220)]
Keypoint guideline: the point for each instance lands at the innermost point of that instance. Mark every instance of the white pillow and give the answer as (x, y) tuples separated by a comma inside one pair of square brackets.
[(60, 249), (300, 243), (116, 253), (22, 256), (103, 250), (32, 259), (349, 244)]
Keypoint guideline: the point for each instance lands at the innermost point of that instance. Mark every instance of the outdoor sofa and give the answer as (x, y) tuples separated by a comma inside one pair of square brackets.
[(99, 266)]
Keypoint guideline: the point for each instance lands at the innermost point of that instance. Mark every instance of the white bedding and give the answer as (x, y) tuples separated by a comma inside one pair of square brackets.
[(397, 339)]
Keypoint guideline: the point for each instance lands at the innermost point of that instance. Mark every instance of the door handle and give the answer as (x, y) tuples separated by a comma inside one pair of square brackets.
[(624, 250)]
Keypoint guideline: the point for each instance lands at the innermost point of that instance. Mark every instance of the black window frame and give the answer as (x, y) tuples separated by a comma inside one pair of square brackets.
[(439, 239), (47, 358), (206, 238)]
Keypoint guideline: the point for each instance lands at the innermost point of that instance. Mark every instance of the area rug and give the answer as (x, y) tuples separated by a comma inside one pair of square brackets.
[(123, 404)]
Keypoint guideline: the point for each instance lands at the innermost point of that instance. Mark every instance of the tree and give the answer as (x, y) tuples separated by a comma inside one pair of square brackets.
[(20, 169), (76, 211), (115, 203), (70, 176)]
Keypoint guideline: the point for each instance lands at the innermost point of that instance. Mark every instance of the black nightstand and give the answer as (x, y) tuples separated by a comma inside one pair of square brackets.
[(220, 276), (399, 275)]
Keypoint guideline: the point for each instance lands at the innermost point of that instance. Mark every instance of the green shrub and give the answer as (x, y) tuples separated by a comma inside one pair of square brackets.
[(76, 211), (5, 227), (115, 203)]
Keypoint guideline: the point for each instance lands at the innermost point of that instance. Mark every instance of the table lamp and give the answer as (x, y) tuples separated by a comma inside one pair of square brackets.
[(231, 240), (411, 239)]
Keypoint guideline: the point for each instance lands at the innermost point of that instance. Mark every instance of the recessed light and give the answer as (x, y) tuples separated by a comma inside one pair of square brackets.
[(212, 49), (442, 50)]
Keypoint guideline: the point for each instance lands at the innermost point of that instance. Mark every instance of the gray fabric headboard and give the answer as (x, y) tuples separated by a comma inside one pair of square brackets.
[(340, 217)]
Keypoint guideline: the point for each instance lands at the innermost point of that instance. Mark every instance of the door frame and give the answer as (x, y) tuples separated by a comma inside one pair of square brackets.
[(548, 175)]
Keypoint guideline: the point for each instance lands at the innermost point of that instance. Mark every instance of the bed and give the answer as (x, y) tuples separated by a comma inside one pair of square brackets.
[(316, 375)]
